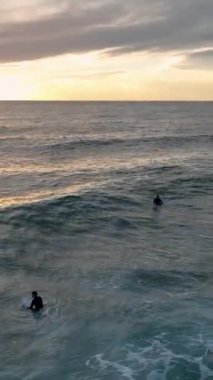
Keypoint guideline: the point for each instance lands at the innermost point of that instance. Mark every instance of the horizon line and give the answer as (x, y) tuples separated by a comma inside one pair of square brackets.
[(108, 101)]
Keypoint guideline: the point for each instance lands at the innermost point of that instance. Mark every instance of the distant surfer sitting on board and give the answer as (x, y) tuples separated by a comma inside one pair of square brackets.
[(157, 201), (37, 302)]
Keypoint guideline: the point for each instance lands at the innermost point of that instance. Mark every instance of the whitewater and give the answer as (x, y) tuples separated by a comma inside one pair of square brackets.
[(127, 288)]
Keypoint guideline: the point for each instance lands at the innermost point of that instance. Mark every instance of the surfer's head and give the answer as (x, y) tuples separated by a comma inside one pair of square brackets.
[(34, 294)]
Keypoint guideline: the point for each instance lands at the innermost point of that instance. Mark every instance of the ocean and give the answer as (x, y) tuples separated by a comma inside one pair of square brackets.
[(127, 288)]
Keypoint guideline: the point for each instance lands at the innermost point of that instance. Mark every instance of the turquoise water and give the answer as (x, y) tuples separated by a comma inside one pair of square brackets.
[(128, 289)]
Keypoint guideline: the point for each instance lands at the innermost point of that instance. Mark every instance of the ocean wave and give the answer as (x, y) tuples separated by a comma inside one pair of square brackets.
[(98, 192), (156, 359), (85, 205), (141, 278), (157, 141)]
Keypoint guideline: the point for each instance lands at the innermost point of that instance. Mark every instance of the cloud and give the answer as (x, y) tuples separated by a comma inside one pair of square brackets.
[(36, 29), (199, 60)]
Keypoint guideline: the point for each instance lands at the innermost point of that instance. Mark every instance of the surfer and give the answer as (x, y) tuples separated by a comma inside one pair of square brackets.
[(157, 201), (37, 302)]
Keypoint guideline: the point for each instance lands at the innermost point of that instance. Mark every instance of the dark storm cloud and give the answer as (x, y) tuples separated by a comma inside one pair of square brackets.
[(118, 26)]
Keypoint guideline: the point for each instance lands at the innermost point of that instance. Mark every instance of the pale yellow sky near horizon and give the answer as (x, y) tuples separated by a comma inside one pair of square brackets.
[(93, 76), (99, 74)]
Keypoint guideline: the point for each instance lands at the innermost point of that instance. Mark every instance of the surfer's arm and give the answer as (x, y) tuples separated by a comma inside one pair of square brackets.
[(31, 306)]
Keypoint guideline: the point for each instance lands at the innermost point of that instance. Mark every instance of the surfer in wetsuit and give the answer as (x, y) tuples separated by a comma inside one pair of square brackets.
[(157, 201), (37, 302)]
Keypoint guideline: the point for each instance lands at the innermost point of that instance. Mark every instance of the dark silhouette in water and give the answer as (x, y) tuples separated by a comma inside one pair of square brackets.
[(157, 201), (37, 302)]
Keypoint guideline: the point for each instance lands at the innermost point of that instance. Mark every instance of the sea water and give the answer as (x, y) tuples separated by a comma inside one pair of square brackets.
[(128, 289)]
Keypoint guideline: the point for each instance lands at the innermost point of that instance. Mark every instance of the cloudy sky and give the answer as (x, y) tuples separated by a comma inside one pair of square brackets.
[(106, 49)]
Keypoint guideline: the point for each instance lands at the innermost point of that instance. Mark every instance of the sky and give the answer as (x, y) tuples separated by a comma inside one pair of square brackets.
[(106, 50)]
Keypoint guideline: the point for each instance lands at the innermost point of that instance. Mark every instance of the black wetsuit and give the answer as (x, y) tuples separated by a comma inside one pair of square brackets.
[(157, 202), (37, 303)]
